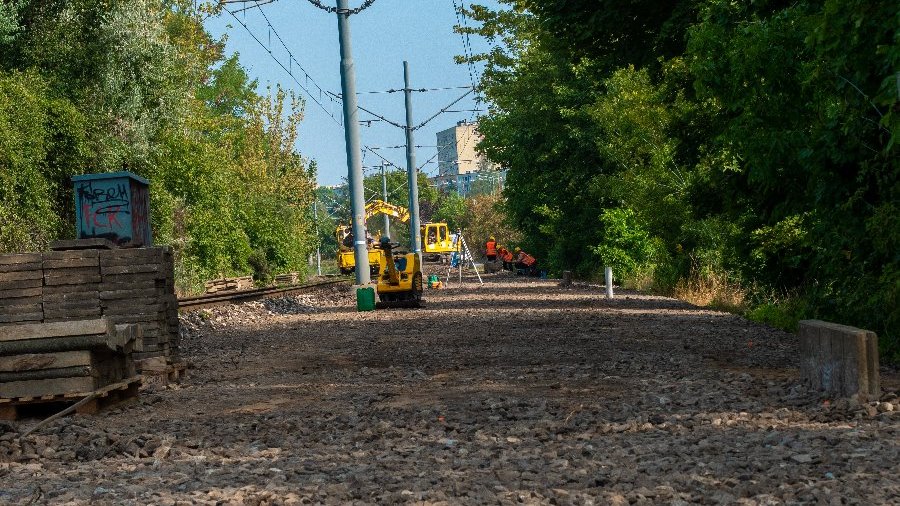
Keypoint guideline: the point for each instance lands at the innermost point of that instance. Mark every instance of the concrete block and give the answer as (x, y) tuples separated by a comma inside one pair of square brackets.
[(839, 360)]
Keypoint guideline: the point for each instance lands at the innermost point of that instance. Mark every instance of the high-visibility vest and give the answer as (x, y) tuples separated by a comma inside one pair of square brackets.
[(507, 256), (527, 259), (491, 248)]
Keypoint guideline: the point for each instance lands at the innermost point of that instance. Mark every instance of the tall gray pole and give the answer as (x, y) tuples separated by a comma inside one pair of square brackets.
[(354, 154), (387, 219), (413, 180), (318, 238)]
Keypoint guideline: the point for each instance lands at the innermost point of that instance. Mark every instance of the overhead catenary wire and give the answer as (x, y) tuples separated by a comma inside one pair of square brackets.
[(466, 53), (442, 111), (361, 108), (256, 3), (419, 90), (311, 88), (286, 69)]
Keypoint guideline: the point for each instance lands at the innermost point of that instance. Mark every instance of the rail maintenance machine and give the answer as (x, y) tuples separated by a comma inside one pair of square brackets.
[(399, 278)]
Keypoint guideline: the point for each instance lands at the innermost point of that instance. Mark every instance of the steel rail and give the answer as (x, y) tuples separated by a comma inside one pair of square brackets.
[(221, 299)]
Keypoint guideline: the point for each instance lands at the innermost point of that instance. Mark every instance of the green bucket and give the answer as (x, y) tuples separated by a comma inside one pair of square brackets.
[(432, 279), (365, 299)]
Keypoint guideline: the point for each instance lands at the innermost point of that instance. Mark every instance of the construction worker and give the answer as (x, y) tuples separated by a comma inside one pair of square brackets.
[(525, 263), (490, 249), (507, 257)]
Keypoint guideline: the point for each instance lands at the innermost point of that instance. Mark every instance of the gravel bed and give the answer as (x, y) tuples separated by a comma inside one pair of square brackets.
[(517, 391)]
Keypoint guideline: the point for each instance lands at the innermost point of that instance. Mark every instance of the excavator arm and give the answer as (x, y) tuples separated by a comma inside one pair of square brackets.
[(374, 208), (377, 207)]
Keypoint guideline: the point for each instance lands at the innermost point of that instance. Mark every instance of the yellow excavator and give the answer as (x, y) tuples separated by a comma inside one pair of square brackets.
[(399, 278), (344, 235), (437, 245)]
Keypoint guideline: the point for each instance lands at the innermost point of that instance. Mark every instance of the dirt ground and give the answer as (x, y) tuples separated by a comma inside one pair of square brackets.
[(517, 391)]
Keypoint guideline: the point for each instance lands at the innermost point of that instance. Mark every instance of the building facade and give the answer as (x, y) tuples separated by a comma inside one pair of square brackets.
[(461, 167)]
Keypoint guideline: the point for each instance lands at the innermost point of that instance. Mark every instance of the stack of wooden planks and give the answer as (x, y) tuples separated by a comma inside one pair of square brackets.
[(229, 284), (60, 361), (290, 278), (21, 288), (138, 287), (71, 285), (127, 286)]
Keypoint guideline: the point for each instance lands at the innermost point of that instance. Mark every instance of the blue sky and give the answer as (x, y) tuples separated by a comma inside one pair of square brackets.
[(383, 36)]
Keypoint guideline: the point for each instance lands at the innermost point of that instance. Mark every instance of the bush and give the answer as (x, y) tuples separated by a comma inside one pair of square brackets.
[(262, 273), (784, 316)]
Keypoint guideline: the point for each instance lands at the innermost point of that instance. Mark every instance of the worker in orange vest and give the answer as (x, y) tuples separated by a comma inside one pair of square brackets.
[(490, 249), (525, 263), (507, 257)]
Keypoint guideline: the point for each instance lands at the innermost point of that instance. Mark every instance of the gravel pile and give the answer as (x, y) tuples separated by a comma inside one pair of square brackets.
[(515, 392)]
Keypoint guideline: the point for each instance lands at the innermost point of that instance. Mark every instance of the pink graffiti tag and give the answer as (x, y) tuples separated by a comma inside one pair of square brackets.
[(110, 214)]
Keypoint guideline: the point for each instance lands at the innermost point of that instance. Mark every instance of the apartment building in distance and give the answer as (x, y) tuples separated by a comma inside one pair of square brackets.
[(460, 166)]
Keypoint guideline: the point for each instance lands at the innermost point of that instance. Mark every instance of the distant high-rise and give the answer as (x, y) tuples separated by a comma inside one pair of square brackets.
[(459, 164)]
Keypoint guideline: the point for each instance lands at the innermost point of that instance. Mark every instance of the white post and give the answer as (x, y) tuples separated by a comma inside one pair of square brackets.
[(609, 283)]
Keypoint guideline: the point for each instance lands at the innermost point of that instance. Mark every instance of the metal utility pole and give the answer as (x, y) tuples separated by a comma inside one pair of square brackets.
[(414, 226), (384, 193), (354, 153), (318, 239)]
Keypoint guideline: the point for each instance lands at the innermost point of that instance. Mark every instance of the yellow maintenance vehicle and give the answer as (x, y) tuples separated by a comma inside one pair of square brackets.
[(437, 244), (344, 235), (399, 278)]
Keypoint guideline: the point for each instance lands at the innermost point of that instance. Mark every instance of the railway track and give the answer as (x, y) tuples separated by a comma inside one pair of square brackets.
[(216, 299)]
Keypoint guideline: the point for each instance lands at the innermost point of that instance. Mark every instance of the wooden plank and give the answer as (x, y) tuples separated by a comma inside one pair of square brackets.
[(21, 284), (80, 244), (132, 277), (117, 259), (18, 318), (72, 313), (69, 279), (74, 271), (20, 275), (45, 330), (68, 343), (135, 253), (55, 386), (71, 263), (60, 289), (73, 303), (130, 269), (21, 292), (71, 296), (71, 255), (19, 301), (148, 311), (53, 373), (32, 361), (20, 258), (31, 266), (25, 307), (130, 294), (136, 302), (113, 285)]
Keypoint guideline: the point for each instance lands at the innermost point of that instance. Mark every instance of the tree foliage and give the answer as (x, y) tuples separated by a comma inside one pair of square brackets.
[(751, 140), (100, 86)]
